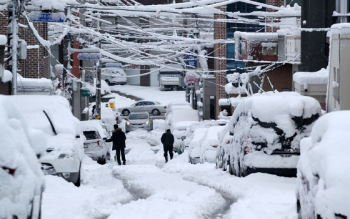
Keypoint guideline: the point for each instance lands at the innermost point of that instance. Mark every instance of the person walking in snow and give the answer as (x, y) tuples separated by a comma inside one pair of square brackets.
[(118, 138), (168, 142)]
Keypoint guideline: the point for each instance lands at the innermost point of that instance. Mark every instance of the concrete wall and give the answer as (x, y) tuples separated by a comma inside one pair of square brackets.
[(332, 104), (155, 77), (317, 91), (339, 72), (133, 80)]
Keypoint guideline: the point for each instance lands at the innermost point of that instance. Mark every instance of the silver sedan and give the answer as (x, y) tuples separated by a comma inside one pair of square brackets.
[(139, 121), (152, 107)]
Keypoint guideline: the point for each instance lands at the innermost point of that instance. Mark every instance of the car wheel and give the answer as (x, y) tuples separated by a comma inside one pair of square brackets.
[(174, 88), (126, 112), (155, 112), (77, 183), (109, 83)]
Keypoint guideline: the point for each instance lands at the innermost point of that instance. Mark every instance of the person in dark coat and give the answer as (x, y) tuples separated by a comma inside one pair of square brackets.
[(118, 138), (168, 142)]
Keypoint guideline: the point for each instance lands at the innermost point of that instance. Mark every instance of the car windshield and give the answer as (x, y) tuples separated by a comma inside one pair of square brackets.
[(89, 135), (138, 116)]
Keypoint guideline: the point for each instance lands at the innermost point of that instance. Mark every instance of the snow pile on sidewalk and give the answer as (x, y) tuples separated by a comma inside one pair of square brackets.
[(164, 195), (97, 196), (319, 77)]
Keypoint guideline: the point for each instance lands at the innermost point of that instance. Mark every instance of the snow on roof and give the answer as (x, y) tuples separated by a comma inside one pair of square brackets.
[(212, 138), (178, 103), (325, 154), (7, 76), (256, 36), (33, 82), (235, 101), (319, 77), (342, 29), (224, 102), (179, 115)]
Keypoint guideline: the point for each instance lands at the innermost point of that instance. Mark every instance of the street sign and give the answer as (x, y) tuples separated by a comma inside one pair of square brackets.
[(38, 16), (113, 65), (191, 62), (191, 79), (89, 56)]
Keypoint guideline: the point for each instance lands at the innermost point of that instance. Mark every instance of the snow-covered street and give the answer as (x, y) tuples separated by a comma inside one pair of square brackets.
[(147, 187)]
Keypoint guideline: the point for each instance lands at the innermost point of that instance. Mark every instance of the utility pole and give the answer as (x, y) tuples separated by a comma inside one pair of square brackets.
[(14, 44), (98, 82)]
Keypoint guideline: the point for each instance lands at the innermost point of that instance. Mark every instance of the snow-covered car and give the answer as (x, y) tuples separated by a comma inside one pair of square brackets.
[(52, 115), (225, 139), (188, 135), (152, 107), (139, 121), (180, 115), (94, 145), (323, 181), (113, 76), (21, 180), (267, 129), (179, 132), (177, 105), (210, 144), (194, 150)]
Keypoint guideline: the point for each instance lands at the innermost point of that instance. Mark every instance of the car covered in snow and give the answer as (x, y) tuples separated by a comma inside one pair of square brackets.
[(139, 121), (179, 132), (188, 135), (267, 129), (175, 105), (52, 115), (152, 107), (194, 150), (113, 76), (323, 179), (21, 180), (181, 115), (94, 145)]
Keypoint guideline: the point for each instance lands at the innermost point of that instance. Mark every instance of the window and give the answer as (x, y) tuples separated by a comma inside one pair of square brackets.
[(149, 103), (89, 135), (139, 104), (134, 116), (285, 89), (269, 49)]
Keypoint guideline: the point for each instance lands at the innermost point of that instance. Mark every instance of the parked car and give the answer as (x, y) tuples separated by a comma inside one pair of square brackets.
[(267, 129), (179, 131), (222, 153), (52, 115), (180, 115), (21, 180), (323, 181), (194, 150), (139, 121), (94, 144), (152, 107), (177, 104), (210, 144), (188, 135), (113, 76)]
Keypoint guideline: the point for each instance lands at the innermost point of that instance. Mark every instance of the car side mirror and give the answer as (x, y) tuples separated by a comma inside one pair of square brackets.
[(104, 139), (78, 136), (183, 137)]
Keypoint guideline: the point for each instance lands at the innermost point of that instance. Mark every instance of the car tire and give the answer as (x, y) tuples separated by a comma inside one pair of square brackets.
[(174, 88), (77, 183), (126, 112), (155, 112), (109, 83)]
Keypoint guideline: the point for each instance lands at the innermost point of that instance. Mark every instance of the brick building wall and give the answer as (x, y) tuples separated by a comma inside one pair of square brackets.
[(277, 3), (220, 64), (37, 64)]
